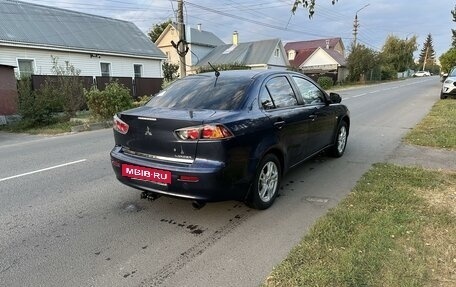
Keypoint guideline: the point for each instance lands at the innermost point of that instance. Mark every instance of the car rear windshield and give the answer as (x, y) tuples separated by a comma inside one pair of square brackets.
[(202, 92)]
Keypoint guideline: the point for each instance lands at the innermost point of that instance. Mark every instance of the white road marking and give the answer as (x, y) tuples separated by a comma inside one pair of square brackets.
[(41, 170)]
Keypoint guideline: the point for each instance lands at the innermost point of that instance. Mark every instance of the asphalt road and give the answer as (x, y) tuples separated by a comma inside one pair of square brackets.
[(66, 221)]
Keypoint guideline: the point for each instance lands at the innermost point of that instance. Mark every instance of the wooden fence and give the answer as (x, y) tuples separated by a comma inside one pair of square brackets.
[(138, 86)]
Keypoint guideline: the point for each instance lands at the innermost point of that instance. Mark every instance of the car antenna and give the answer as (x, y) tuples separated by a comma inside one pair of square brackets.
[(217, 73)]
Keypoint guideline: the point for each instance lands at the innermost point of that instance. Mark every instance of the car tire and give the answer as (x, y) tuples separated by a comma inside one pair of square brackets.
[(266, 183), (338, 149), (442, 96)]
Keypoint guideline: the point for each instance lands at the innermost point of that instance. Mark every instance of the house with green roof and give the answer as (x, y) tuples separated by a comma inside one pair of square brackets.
[(263, 54), (98, 46)]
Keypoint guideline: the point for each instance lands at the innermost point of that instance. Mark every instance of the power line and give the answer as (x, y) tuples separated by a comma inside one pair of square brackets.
[(250, 20)]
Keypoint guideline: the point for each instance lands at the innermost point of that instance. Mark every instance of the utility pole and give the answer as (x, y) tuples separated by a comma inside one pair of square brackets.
[(425, 57), (355, 29), (181, 47), (356, 25)]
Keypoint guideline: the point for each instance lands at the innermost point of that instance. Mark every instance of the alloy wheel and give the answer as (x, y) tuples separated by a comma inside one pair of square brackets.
[(267, 181), (341, 139)]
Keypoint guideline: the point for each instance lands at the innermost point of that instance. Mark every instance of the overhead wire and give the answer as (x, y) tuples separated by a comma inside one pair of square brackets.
[(251, 20)]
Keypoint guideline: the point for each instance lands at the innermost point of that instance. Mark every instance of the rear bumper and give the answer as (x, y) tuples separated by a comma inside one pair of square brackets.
[(217, 180)]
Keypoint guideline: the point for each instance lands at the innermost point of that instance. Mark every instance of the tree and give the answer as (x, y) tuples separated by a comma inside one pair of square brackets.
[(453, 31), (157, 29), (169, 71), (360, 61), (397, 54), (448, 60), (307, 4), (427, 54)]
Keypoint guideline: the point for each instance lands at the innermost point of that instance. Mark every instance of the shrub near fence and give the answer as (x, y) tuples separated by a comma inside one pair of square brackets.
[(138, 87), (39, 80), (127, 82), (105, 103)]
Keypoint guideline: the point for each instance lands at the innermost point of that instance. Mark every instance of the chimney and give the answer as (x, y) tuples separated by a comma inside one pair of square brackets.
[(327, 44), (199, 27), (235, 38)]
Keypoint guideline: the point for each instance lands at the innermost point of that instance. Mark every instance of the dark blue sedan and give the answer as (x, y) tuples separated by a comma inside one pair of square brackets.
[(227, 136)]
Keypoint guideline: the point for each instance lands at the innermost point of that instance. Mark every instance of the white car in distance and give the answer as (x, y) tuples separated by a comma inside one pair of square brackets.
[(422, 74)]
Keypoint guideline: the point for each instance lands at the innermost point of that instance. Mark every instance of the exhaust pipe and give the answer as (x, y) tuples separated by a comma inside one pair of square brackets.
[(149, 195), (198, 204)]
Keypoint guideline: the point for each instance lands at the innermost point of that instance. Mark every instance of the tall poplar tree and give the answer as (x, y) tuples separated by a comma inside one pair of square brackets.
[(453, 12), (397, 54)]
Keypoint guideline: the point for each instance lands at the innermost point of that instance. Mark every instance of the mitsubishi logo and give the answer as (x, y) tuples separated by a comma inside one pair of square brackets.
[(148, 132)]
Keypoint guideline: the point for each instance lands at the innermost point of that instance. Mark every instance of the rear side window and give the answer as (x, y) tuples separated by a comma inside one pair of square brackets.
[(311, 95), (201, 92), (280, 94)]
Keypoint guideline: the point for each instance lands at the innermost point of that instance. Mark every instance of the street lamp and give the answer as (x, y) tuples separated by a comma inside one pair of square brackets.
[(356, 25)]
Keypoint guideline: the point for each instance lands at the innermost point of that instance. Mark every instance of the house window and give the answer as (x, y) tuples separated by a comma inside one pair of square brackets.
[(105, 69), (276, 52), (138, 70), (25, 67), (291, 55)]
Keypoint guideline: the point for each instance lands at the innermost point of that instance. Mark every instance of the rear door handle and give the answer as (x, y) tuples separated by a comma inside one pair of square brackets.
[(279, 124), (313, 117)]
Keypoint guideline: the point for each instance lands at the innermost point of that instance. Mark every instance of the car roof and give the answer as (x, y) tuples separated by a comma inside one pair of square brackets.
[(245, 73)]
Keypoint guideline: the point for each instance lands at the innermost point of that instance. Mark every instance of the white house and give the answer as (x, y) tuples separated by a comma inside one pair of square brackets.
[(98, 46), (264, 54), (321, 56)]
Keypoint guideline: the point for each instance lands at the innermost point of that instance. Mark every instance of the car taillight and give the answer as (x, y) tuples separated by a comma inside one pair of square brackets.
[(206, 132), (119, 125)]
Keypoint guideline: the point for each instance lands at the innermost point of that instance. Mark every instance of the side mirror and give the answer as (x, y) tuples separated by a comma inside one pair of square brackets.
[(335, 98), (444, 76)]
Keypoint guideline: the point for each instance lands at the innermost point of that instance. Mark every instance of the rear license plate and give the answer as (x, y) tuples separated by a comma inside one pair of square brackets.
[(145, 173)]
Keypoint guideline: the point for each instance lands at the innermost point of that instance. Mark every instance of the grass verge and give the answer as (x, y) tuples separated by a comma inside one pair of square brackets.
[(51, 129), (397, 228), (60, 125), (437, 128)]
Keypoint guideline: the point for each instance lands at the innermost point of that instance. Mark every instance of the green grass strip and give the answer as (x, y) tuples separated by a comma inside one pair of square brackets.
[(380, 235)]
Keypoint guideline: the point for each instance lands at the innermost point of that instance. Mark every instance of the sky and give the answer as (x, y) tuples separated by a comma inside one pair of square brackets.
[(267, 19)]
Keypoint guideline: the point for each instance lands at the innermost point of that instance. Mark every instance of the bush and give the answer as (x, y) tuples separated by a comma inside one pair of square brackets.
[(169, 71), (388, 73), (325, 82), (69, 87), (141, 101), (104, 104), (62, 92), (37, 107)]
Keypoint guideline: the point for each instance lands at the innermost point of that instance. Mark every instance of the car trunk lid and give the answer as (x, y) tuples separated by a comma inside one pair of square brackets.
[(151, 132)]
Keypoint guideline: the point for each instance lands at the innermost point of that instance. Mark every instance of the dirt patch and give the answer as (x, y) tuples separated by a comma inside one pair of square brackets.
[(425, 157)]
